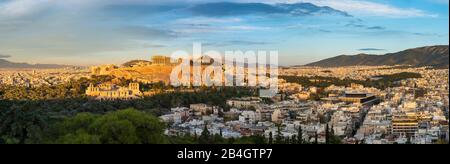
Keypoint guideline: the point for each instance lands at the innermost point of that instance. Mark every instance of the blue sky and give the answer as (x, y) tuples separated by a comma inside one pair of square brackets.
[(89, 32)]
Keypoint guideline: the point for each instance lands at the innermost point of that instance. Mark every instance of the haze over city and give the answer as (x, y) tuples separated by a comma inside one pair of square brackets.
[(91, 32)]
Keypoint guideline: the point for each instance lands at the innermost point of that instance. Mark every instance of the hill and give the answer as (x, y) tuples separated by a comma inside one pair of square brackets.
[(436, 56), (7, 64)]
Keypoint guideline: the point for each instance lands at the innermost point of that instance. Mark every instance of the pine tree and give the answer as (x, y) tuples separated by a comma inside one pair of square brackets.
[(270, 138), (205, 137), (327, 135), (300, 135), (332, 130), (316, 138), (279, 136)]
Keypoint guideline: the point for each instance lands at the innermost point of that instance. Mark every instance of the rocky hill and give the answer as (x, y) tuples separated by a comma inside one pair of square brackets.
[(436, 56)]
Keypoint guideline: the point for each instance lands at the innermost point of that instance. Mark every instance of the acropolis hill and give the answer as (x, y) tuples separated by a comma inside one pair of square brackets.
[(158, 70)]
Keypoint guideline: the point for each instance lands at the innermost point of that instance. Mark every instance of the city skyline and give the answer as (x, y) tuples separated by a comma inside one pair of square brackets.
[(98, 32)]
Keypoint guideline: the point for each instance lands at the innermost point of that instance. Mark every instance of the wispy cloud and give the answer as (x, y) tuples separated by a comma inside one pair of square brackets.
[(25, 8), (371, 49), (428, 34), (206, 20), (325, 31), (311, 27), (355, 25), (240, 42), (207, 28), (148, 45), (368, 8), (363, 26), (202, 24), (224, 9), (376, 28), (206, 8), (236, 43), (20, 8), (143, 32)]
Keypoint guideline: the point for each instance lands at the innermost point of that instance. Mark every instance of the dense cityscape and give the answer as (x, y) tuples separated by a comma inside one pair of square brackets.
[(314, 105)]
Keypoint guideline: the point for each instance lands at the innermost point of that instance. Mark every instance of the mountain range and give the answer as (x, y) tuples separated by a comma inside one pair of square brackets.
[(7, 64), (436, 56)]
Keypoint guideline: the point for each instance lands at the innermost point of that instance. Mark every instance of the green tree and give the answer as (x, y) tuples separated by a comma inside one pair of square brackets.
[(205, 137), (80, 137), (316, 138), (327, 135), (22, 125), (120, 127), (332, 130), (279, 136), (231, 141), (218, 139), (183, 139), (257, 139), (300, 135), (270, 138)]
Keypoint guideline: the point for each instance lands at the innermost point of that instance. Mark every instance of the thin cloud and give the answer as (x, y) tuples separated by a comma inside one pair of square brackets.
[(154, 46), (359, 25), (23, 7), (240, 42), (325, 31), (368, 8), (225, 9), (355, 7), (187, 30), (236, 43), (355, 25), (371, 49), (147, 32), (376, 28), (206, 20)]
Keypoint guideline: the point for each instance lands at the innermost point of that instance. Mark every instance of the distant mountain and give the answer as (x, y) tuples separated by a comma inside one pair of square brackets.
[(7, 64), (232, 9), (436, 56)]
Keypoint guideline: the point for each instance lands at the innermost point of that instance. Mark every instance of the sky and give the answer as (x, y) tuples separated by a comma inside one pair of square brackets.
[(92, 32)]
